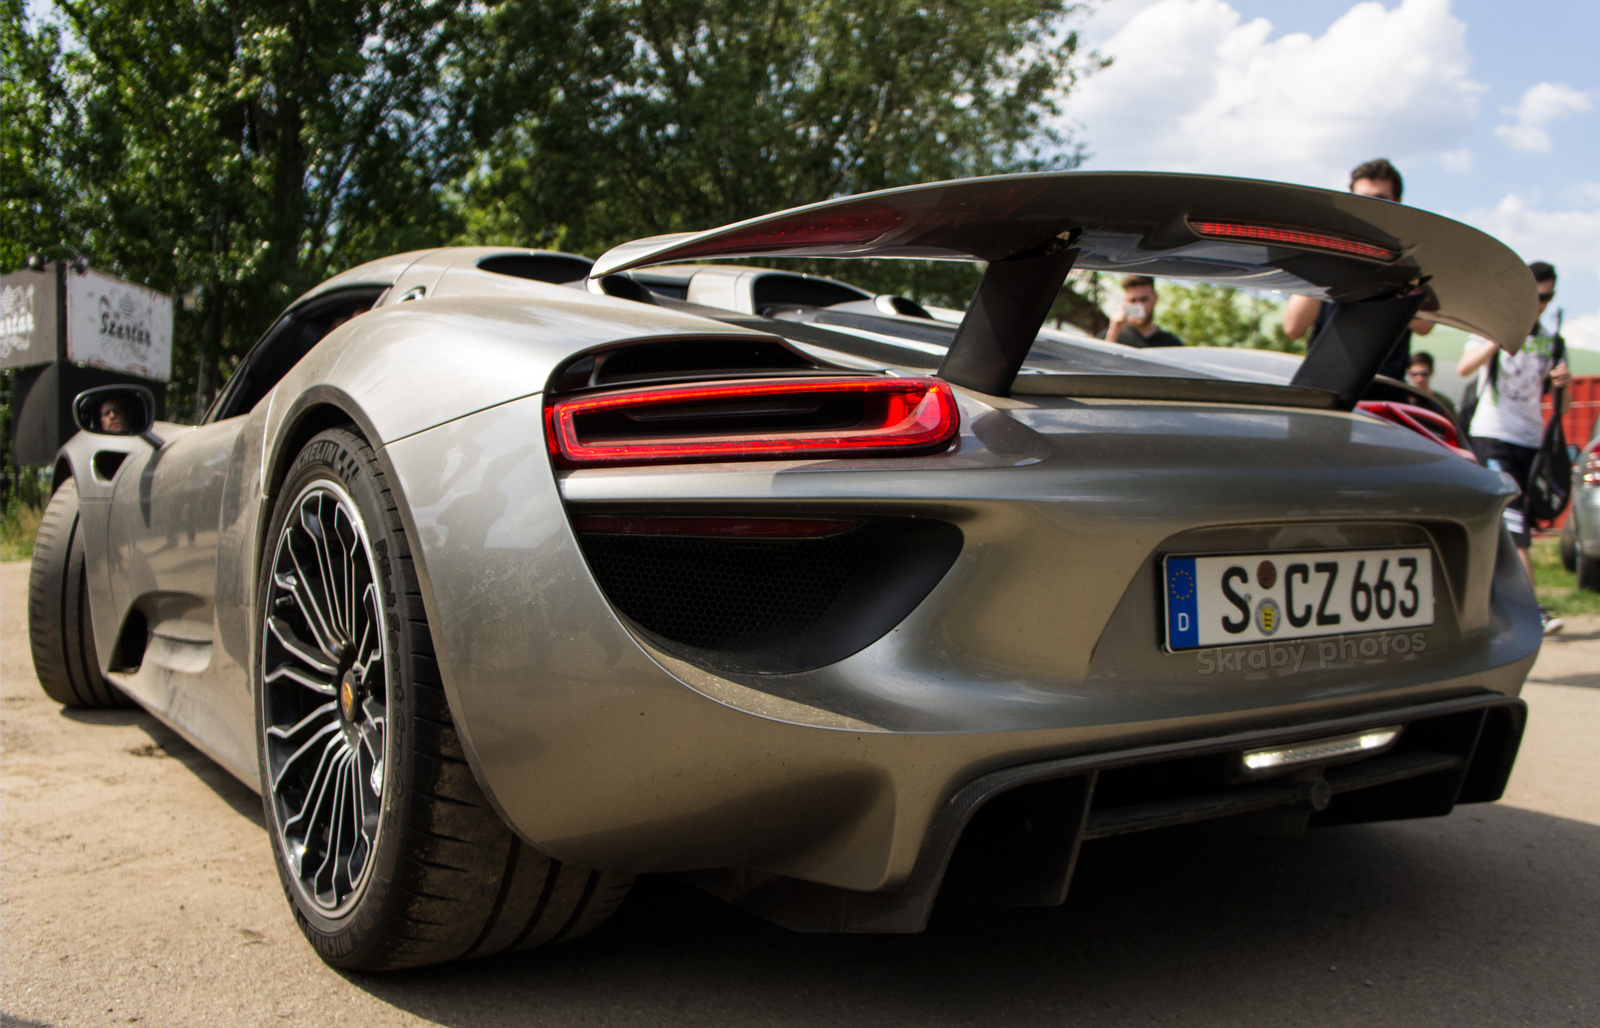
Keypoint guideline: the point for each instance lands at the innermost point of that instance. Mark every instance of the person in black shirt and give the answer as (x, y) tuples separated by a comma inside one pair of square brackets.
[(1134, 323)]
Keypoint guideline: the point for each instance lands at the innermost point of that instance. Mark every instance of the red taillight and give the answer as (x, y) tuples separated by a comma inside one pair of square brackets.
[(858, 225), (1591, 468), (1420, 420), (1292, 237), (769, 419)]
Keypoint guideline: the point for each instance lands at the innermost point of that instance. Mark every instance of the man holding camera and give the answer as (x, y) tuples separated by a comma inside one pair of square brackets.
[(1134, 323)]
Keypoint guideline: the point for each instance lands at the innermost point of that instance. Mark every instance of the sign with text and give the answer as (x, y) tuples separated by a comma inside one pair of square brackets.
[(27, 318), (119, 326)]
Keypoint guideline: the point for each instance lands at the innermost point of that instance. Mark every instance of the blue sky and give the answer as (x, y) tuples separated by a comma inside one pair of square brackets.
[(1491, 110)]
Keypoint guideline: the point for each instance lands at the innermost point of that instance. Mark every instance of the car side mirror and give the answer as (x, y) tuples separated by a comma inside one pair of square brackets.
[(117, 410)]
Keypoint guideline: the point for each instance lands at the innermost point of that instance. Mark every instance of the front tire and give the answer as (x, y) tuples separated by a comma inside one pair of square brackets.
[(387, 849), (60, 631)]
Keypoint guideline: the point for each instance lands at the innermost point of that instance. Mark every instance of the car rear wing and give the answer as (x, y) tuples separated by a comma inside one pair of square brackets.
[(1382, 263)]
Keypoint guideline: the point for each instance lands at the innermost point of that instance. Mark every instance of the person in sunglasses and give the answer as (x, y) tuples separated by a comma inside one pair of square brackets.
[(1508, 424), (1419, 375)]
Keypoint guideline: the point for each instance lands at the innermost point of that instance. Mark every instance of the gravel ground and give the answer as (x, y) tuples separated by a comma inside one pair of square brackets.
[(136, 887)]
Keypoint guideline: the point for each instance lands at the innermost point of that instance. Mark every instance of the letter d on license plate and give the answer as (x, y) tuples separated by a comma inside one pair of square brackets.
[(1214, 600)]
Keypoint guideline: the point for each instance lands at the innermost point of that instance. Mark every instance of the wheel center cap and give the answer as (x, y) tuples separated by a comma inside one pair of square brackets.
[(347, 697)]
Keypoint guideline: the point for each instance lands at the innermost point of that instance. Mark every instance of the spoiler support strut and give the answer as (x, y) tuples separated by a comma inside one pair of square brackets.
[(1007, 311), (1352, 346)]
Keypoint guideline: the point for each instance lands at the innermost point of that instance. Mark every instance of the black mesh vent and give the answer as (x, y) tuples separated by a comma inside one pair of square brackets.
[(719, 594), (935, 334), (675, 358), (1058, 357), (1046, 355)]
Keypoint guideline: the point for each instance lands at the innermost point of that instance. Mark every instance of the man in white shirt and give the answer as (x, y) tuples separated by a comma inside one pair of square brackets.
[(1508, 425)]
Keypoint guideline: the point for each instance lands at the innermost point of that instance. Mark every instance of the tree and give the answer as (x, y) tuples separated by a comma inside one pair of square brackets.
[(1210, 315), (673, 115), (247, 147), (251, 147)]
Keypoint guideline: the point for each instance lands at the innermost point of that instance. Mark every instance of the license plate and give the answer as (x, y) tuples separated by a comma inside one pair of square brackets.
[(1242, 598)]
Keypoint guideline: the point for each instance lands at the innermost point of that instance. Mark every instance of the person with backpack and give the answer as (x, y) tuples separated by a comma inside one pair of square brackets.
[(1507, 422)]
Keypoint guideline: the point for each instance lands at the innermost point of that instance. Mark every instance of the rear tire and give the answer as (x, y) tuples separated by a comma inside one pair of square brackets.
[(1588, 572), (60, 630), (399, 860)]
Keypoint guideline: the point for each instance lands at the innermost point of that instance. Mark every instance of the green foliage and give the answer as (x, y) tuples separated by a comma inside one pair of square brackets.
[(1557, 587), (246, 149), (1211, 315), (19, 524), (676, 115)]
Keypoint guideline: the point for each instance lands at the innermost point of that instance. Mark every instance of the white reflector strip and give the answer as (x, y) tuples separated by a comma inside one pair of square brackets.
[(1370, 741)]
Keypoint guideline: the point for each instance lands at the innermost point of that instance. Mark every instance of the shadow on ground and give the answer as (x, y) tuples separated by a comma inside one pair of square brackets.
[(165, 742), (1492, 915)]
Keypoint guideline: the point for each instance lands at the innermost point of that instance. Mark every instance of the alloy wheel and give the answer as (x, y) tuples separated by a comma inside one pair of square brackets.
[(325, 697)]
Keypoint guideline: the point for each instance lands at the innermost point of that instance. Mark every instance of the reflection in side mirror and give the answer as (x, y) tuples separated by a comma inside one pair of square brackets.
[(117, 410)]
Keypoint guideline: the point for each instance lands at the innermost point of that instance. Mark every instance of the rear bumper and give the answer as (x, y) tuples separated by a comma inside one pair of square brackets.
[(1011, 837), (1039, 644)]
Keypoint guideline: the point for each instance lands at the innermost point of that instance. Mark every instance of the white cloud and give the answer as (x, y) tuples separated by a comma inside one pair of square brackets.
[(1541, 105), (1195, 88), (1568, 239), (1583, 331), (1459, 161)]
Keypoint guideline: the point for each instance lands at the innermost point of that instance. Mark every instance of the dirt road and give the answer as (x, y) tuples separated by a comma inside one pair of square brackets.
[(136, 886)]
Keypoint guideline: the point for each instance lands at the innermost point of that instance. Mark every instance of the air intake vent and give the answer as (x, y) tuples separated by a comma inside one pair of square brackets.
[(773, 604), (655, 360), (678, 359), (540, 267), (722, 594)]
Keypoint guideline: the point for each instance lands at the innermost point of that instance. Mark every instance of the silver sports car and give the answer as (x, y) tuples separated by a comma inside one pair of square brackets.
[(505, 575)]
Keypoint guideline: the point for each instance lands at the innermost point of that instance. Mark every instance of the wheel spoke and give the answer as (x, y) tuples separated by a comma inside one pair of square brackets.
[(316, 619), (309, 745), (326, 710), (285, 635), (330, 826), (352, 542), (294, 674), (361, 843), (317, 533), (307, 815)]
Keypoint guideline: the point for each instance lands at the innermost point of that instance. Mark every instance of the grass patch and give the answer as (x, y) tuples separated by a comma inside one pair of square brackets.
[(17, 529), (1557, 587)]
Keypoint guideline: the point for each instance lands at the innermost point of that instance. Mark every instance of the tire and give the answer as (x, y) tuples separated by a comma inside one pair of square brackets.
[(1569, 543), (406, 864), (1588, 571), (60, 631)]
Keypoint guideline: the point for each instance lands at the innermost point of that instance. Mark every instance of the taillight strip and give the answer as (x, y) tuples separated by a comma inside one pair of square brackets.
[(1292, 237), (1424, 422), (904, 416)]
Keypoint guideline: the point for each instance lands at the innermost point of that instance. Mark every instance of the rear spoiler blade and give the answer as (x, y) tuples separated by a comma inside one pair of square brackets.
[(1336, 246)]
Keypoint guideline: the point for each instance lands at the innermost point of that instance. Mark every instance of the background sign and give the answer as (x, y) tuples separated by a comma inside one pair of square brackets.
[(27, 318), (119, 326)]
